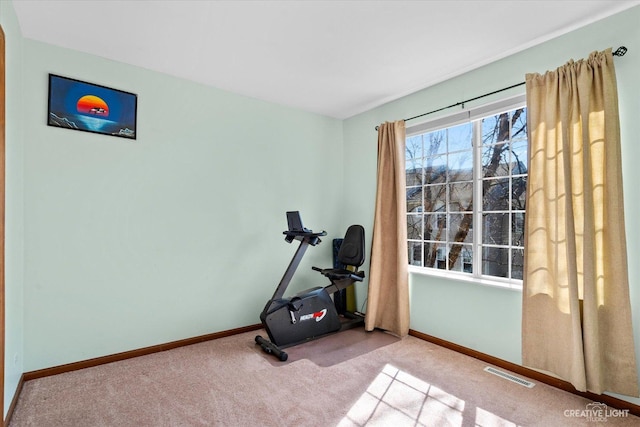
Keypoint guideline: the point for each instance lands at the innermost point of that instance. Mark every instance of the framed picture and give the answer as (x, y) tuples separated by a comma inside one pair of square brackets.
[(78, 105)]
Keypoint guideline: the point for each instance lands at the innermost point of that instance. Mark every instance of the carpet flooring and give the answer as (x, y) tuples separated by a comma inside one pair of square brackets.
[(354, 378)]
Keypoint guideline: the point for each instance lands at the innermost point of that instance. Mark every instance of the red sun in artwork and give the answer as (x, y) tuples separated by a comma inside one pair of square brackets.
[(93, 105)]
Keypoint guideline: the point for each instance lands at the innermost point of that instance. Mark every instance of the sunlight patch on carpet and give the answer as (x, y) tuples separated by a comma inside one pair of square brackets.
[(398, 398)]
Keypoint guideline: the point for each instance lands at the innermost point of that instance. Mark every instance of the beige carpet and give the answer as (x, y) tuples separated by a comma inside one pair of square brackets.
[(349, 379)]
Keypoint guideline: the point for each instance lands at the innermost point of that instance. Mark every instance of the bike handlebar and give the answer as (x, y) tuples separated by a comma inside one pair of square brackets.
[(307, 233)]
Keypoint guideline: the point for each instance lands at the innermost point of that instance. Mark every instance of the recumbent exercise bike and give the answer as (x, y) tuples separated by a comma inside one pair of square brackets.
[(311, 314)]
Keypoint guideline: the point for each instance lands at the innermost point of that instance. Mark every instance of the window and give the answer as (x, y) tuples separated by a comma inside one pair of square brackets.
[(465, 190)]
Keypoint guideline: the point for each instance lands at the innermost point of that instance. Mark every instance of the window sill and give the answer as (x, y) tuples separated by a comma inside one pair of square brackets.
[(515, 285)]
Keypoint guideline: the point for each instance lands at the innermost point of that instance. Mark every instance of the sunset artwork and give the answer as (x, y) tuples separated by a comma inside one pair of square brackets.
[(78, 105), (91, 104)]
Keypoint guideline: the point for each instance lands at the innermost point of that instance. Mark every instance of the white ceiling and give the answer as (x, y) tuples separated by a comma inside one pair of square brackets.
[(336, 58)]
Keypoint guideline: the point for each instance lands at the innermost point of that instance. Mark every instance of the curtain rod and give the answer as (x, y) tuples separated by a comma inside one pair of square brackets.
[(619, 52)]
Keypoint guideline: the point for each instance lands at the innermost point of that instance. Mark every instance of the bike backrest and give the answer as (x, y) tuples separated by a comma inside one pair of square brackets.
[(352, 249)]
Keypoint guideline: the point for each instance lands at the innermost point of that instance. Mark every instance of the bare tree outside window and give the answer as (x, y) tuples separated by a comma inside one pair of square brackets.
[(440, 196)]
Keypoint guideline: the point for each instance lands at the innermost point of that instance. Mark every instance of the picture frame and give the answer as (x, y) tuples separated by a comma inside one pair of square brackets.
[(88, 107)]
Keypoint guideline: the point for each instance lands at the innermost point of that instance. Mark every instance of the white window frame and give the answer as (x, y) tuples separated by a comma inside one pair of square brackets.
[(474, 114)]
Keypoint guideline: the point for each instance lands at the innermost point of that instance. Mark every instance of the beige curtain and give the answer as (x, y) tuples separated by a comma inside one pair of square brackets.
[(576, 320), (388, 300)]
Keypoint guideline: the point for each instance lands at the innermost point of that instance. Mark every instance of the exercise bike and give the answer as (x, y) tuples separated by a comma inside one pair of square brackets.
[(311, 314)]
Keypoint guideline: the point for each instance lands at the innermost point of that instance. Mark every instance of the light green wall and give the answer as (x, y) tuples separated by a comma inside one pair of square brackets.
[(484, 318), (174, 235), (14, 219)]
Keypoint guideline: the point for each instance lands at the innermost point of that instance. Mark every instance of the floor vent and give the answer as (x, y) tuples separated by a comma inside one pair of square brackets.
[(509, 377)]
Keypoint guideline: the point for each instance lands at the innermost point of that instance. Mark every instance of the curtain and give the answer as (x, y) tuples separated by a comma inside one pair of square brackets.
[(576, 320), (388, 299)]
